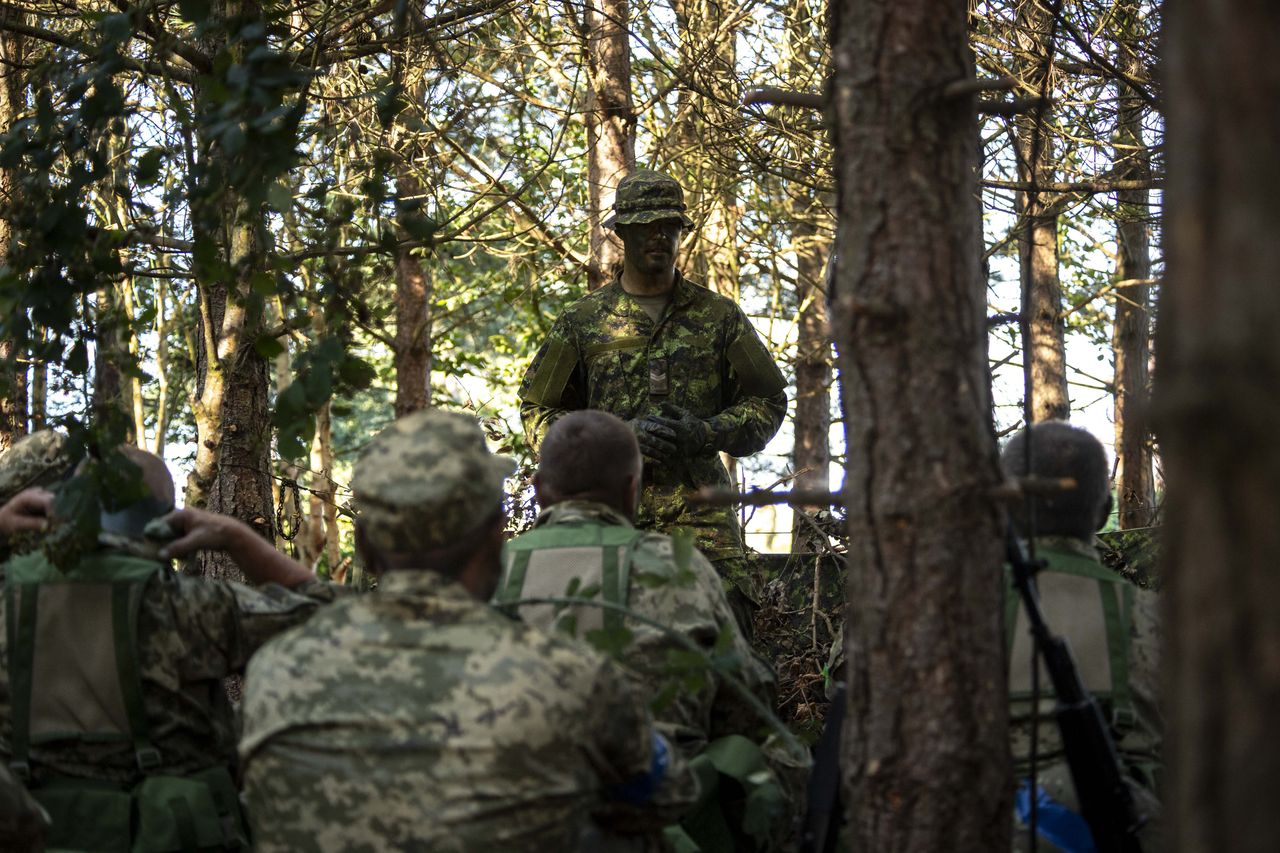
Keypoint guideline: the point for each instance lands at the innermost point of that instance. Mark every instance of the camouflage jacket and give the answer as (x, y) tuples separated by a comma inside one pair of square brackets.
[(1113, 630), (606, 353), (417, 718), (192, 633), (682, 593)]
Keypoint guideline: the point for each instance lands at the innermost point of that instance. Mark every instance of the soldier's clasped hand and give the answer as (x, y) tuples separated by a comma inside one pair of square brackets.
[(657, 440), (691, 434), (29, 510)]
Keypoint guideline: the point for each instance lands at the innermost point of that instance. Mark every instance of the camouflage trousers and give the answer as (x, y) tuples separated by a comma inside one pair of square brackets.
[(740, 582)]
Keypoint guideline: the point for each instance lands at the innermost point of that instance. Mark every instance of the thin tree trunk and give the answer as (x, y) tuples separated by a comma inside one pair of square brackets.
[(926, 752), (1038, 228), (1131, 334), (811, 456), (611, 127), (413, 356), (162, 368), (1215, 399)]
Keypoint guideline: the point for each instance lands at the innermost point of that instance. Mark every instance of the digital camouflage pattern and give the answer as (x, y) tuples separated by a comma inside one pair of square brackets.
[(192, 633), (417, 718), (604, 352), (426, 480), (38, 459), (1137, 730), (685, 595), (648, 196)]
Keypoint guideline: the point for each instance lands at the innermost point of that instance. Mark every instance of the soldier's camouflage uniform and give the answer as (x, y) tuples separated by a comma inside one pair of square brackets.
[(1113, 629), (684, 594), (604, 352), (418, 718), (192, 633)]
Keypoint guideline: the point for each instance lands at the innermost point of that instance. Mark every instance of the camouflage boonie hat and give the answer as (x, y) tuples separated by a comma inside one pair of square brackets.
[(426, 480), (39, 459), (648, 196)]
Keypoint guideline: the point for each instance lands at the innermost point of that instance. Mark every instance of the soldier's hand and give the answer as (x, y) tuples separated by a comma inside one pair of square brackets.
[(692, 434), (657, 440), (199, 530), (28, 510)]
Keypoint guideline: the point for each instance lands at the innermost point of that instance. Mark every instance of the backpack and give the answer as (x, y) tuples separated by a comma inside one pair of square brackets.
[(74, 675)]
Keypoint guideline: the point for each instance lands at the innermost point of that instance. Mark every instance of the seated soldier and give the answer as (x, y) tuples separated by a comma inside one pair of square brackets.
[(583, 544), (112, 707), (419, 718), (1109, 623)]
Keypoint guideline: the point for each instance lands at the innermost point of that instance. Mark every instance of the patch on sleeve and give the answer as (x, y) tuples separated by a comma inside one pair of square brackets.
[(550, 373), (757, 372)]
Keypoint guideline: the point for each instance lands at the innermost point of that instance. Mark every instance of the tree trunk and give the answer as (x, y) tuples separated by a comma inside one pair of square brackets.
[(811, 455), (611, 127), (1131, 334), (232, 471), (13, 372), (1216, 387), (110, 388), (413, 315), (1038, 228), (926, 752)]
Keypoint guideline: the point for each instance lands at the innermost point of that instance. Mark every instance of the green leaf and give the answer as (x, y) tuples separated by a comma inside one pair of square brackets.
[(268, 346), (279, 197), (195, 11)]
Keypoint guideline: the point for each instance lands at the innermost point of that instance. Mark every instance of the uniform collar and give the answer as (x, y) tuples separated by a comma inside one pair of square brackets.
[(683, 291), (577, 512), (421, 582)]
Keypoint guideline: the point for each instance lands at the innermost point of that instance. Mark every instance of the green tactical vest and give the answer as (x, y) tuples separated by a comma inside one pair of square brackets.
[(1092, 607), (74, 676), (578, 560)]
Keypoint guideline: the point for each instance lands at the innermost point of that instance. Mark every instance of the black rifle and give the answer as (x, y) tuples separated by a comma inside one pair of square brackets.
[(1106, 803), (823, 816)]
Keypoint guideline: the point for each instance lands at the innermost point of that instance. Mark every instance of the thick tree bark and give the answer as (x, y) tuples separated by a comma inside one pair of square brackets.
[(1217, 420), (13, 373), (1131, 334), (1038, 228), (926, 749), (611, 127), (232, 471)]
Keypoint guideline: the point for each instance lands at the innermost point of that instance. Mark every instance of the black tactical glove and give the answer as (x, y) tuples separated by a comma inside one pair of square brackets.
[(691, 435), (657, 440)]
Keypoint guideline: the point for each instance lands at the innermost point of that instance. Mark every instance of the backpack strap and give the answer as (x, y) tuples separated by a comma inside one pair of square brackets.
[(1117, 609), (126, 602), (20, 614)]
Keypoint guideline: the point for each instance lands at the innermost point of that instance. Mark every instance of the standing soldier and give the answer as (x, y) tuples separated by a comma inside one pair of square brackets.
[(680, 364)]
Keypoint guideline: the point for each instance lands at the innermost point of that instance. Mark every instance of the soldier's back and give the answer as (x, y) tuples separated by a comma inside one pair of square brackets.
[(418, 718)]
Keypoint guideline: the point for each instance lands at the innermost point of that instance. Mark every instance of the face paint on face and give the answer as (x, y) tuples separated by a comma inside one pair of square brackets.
[(650, 247)]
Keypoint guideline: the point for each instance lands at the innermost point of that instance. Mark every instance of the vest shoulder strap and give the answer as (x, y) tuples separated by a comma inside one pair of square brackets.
[(615, 542)]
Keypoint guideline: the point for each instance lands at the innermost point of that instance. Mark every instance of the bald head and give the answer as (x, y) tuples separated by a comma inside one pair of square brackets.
[(589, 455), (155, 474), (1059, 450)]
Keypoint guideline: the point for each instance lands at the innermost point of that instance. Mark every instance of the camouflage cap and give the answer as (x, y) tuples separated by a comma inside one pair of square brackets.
[(39, 459), (426, 480), (648, 196)]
